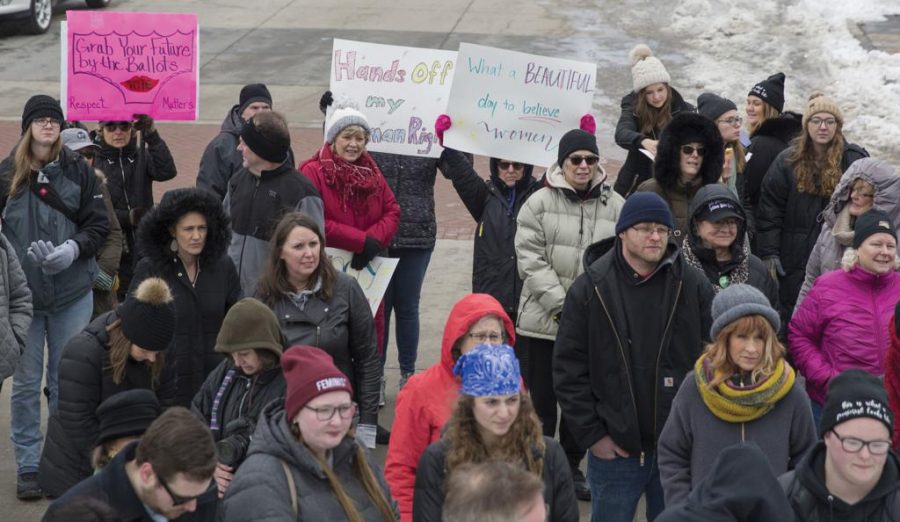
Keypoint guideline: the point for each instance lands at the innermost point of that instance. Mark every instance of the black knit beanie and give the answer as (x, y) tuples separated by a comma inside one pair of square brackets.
[(712, 106), (148, 315), (872, 222), (254, 92), (41, 106), (125, 414), (576, 139), (275, 151), (771, 91), (853, 394)]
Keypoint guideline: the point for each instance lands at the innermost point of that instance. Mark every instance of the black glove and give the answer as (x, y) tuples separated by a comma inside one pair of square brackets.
[(370, 250), (144, 123), (325, 101)]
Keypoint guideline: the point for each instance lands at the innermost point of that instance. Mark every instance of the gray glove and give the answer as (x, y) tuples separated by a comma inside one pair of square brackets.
[(774, 266), (365, 434), (61, 258), (39, 250)]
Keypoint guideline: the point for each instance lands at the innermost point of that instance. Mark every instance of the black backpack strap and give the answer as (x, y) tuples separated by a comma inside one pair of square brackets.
[(41, 187)]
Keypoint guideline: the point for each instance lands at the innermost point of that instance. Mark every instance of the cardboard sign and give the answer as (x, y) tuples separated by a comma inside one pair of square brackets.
[(116, 65), (373, 279), (401, 90), (516, 106)]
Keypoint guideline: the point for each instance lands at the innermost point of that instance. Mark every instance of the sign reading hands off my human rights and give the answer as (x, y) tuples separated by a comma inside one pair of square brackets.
[(116, 65)]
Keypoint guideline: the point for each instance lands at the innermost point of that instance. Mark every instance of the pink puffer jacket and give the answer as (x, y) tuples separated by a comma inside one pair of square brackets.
[(844, 322)]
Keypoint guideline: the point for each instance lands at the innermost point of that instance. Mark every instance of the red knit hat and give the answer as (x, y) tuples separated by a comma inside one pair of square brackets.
[(309, 372)]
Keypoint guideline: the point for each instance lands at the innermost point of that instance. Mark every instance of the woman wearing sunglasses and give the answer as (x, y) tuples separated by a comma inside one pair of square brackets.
[(574, 209), (132, 155), (689, 156), (304, 460)]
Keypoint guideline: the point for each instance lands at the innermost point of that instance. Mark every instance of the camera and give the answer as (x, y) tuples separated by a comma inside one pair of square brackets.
[(232, 448)]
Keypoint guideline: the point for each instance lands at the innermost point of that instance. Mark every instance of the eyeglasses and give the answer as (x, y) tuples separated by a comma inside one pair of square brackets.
[(590, 160), (854, 445), (648, 231), (487, 337), (725, 223), (855, 192), (46, 122), (734, 121), (117, 125), (688, 150), (344, 411), (178, 500), (818, 122), (504, 165)]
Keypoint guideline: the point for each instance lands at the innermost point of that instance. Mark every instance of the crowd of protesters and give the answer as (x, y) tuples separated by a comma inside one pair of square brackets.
[(717, 331)]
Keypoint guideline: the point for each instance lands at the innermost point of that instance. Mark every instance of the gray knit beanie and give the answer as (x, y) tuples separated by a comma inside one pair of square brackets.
[(342, 118), (738, 301)]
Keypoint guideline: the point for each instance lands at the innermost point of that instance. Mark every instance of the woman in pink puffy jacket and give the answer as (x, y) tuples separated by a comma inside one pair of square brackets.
[(844, 321)]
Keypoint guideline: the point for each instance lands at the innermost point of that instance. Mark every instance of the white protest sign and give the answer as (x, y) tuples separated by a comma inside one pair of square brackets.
[(373, 279), (516, 106), (401, 90)]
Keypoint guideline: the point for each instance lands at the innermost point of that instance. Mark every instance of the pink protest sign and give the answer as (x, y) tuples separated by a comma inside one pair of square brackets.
[(121, 64)]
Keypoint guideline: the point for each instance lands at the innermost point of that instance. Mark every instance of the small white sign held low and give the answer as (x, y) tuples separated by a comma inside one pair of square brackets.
[(516, 106), (373, 279)]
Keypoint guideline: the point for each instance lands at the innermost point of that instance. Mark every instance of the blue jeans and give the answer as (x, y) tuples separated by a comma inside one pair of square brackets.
[(402, 296), (617, 485), (25, 407)]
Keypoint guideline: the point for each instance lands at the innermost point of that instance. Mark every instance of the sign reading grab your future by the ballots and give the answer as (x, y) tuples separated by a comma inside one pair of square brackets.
[(116, 65), (516, 106), (401, 90)]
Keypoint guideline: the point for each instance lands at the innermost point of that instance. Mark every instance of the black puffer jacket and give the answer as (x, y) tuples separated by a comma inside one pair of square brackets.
[(85, 380), (559, 492), (199, 308), (411, 178), (494, 269), (592, 372), (772, 137), (788, 222), (638, 168)]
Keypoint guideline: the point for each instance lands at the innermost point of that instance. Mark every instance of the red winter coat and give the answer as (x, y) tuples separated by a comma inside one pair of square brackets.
[(844, 322), (892, 375), (427, 400)]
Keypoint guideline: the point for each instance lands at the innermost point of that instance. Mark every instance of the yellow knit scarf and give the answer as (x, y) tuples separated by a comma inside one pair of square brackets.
[(743, 404)]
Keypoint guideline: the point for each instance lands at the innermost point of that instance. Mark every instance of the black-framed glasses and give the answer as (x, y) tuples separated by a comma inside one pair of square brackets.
[(178, 500), (487, 337), (505, 165), (47, 122), (818, 122), (590, 160), (117, 125), (689, 150), (344, 411), (854, 445)]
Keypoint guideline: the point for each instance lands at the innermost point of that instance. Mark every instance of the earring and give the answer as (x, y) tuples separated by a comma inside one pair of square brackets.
[(173, 246)]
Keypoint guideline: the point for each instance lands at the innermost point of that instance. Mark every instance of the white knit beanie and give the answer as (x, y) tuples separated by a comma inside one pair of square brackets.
[(341, 118), (646, 69)]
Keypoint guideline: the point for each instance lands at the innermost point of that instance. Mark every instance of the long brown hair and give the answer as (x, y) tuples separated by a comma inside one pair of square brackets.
[(120, 352), (274, 283), (720, 361), (768, 112), (817, 177), (24, 161), (362, 471), (650, 119), (522, 443)]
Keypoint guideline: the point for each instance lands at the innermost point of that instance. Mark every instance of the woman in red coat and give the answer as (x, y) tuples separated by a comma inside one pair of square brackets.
[(361, 214)]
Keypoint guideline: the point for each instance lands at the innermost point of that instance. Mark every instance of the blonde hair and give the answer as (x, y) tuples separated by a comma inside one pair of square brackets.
[(768, 113), (720, 362), (817, 177), (24, 162), (851, 258), (120, 352)]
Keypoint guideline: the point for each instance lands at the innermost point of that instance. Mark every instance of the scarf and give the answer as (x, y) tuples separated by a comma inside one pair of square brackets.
[(302, 297), (843, 228), (354, 182), (731, 402), (738, 275)]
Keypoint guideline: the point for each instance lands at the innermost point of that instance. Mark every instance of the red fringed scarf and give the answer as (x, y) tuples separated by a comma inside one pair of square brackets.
[(354, 182)]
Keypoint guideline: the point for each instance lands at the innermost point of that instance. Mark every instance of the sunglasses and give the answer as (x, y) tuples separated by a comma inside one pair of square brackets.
[(504, 165), (178, 500), (590, 160), (117, 125), (688, 150)]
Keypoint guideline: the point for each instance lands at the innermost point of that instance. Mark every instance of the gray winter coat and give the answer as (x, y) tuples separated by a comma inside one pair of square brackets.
[(693, 437), (15, 309), (827, 253), (259, 491)]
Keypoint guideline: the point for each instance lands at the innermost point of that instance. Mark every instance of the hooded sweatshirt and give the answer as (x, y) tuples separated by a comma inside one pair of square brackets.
[(427, 400)]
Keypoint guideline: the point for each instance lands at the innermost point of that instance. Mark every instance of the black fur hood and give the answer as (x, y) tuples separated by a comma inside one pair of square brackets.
[(154, 238), (684, 128), (783, 128)]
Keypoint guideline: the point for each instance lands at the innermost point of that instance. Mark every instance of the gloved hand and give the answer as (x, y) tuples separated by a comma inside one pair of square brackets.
[(588, 124), (135, 215), (441, 124), (104, 281), (325, 101), (61, 258), (774, 266), (39, 250), (371, 249), (144, 123), (365, 434)]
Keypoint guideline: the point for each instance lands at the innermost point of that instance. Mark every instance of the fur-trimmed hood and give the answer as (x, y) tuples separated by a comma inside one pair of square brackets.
[(784, 127), (684, 128), (154, 236), (877, 173)]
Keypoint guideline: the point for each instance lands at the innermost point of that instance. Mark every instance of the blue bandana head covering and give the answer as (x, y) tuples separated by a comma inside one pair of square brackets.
[(489, 370)]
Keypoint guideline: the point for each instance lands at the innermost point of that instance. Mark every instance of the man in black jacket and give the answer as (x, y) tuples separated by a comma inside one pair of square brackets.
[(632, 326)]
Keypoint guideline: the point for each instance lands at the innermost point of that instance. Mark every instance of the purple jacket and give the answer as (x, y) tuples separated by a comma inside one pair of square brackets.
[(843, 323)]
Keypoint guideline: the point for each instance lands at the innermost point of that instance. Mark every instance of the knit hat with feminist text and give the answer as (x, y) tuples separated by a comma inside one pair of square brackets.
[(309, 372)]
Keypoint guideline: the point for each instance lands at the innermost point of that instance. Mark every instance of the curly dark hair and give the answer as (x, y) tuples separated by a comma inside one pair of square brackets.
[(154, 233)]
